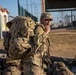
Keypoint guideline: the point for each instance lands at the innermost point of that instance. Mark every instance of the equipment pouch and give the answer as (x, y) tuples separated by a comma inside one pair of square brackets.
[(6, 40)]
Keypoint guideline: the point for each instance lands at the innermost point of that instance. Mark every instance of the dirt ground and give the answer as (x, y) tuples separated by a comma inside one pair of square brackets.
[(63, 43), (1, 44)]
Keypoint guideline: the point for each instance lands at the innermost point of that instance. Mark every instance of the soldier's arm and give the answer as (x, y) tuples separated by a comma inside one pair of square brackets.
[(39, 34)]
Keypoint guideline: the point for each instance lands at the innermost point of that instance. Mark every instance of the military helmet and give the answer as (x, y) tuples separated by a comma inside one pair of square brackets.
[(46, 15)]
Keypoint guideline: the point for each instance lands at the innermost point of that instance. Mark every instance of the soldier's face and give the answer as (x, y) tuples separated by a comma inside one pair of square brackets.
[(46, 22)]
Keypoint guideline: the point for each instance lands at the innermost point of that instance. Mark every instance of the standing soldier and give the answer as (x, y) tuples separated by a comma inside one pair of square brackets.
[(33, 61)]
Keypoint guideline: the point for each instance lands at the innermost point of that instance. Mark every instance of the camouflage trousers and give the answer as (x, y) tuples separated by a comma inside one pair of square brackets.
[(32, 69), (11, 70)]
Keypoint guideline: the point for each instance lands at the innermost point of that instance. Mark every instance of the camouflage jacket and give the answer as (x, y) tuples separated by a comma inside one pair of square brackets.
[(40, 47)]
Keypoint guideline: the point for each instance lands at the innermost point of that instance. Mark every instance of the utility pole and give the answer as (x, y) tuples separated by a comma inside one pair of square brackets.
[(18, 7), (43, 5)]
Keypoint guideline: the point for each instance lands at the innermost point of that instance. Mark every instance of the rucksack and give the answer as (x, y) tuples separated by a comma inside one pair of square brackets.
[(17, 40)]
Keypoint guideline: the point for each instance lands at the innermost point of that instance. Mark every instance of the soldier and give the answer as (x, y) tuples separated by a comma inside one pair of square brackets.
[(33, 61), (17, 43)]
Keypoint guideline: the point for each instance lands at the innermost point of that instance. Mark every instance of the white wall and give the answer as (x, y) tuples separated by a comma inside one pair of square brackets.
[(2, 23)]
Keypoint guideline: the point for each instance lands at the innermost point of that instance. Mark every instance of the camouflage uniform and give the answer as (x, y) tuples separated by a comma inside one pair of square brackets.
[(21, 29), (59, 68), (33, 62)]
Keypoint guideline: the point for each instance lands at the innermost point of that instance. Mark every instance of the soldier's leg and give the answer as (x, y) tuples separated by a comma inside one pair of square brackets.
[(32, 69), (12, 70), (37, 70)]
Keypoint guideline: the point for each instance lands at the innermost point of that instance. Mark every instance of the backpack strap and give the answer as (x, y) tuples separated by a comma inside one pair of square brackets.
[(39, 25)]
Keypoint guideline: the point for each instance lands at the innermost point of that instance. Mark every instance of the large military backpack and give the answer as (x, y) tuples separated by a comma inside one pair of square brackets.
[(17, 40)]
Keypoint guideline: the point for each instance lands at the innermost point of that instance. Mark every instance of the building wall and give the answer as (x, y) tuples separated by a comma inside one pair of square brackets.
[(3, 20), (0, 23)]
